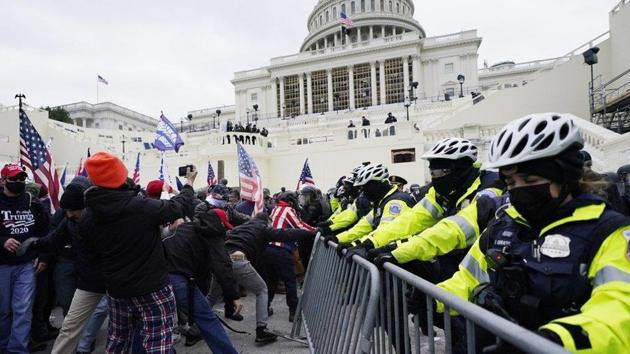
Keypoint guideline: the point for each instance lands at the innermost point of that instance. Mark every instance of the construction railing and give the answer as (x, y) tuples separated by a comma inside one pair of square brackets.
[(349, 306)]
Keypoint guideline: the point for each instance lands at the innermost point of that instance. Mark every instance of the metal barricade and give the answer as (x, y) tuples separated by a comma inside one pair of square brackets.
[(395, 332), (339, 303)]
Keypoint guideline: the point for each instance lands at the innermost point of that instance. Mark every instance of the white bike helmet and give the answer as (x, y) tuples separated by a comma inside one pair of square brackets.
[(356, 170), (452, 149), (371, 173), (533, 137), (349, 179)]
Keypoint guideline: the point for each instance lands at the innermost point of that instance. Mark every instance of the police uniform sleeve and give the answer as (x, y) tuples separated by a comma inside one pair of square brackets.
[(473, 270), (392, 210), (603, 325), (360, 229), (344, 219), (334, 204), (411, 222)]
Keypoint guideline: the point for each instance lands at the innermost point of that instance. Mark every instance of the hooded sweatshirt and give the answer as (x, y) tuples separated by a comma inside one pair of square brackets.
[(123, 229)]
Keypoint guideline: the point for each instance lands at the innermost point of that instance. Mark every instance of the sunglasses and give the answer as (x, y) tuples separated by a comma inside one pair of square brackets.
[(440, 172)]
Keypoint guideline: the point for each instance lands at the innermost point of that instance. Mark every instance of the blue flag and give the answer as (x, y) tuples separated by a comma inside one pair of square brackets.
[(62, 180), (166, 136), (180, 185)]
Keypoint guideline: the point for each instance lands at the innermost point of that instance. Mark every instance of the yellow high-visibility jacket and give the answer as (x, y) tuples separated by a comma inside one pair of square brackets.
[(455, 232), (334, 205), (605, 318), (389, 212), (423, 215)]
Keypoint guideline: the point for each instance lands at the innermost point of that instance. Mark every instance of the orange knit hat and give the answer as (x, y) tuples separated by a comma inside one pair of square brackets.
[(106, 170)]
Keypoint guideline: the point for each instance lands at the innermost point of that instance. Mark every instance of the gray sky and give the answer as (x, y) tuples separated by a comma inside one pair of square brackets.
[(178, 56)]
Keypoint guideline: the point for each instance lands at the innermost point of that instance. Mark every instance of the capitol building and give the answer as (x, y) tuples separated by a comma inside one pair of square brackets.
[(386, 62)]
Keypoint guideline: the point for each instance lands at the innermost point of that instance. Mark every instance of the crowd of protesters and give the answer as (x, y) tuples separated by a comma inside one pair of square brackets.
[(248, 128), (152, 260)]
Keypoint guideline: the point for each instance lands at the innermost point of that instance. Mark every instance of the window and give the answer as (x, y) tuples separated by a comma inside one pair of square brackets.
[(320, 20), (343, 8), (404, 155), (352, 7), (372, 3), (319, 82), (394, 81), (327, 17), (278, 108), (448, 68), (362, 83), (340, 88), (391, 8), (397, 8), (450, 92), (220, 170), (335, 12), (362, 5), (382, 8), (120, 127), (291, 96), (253, 97)]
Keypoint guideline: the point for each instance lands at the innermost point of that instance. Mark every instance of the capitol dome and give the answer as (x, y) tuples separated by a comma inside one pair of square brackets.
[(371, 18)]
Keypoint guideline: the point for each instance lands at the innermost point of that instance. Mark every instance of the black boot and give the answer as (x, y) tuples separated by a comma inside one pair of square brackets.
[(291, 315), (264, 336)]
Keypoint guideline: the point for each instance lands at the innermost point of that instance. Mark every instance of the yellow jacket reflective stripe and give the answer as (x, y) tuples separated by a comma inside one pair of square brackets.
[(345, 218), (605, 317), (391, 211), (455, 232), (422, 216)]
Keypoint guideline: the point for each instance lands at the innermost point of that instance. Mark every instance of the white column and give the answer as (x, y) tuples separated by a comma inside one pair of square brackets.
[(373, 83), (358, 34), (382, 31), (417, 70), (351, 86), (272, 101), (437, 87), (371, 32), (406, 80), (330, 90), (382, 74), (282, 105), (301, 83), (336, 42), (325, 42), (309, 91), (317, 45)]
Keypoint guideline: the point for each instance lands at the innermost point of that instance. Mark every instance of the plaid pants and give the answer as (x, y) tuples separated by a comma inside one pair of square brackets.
[(151, 317)]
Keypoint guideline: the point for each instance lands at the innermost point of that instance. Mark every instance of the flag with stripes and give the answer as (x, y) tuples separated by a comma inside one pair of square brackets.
[(166, 136), (79, 168), (164, 175), (212, 179), (136, 171), (99, 78), (345, 20), (249, 176), (306, 177), (62, 180), (35, 156)]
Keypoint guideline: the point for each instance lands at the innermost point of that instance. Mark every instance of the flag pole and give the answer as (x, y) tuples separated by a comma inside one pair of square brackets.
[(97, 89)]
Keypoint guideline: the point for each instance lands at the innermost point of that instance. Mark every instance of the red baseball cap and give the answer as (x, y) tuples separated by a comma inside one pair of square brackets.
[(12, 170), (154, 189), (224, 218)]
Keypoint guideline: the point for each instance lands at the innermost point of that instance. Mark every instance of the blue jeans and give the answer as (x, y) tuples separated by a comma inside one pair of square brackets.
[(94, 325), (208, 323), (17, 284), (65, 283)]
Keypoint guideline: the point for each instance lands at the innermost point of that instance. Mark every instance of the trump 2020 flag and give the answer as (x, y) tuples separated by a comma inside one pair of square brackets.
[(251, 184), (306, 177), (166, 136)]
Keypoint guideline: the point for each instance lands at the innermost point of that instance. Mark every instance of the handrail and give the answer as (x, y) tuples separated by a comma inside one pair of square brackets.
[(520, 337)]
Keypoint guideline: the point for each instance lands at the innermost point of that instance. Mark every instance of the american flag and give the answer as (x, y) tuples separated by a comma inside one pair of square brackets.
[(79, 168), (35, 156), (251, 185), (99, 78), (136, 171), (212, 179), (306, 178), (62, 180), (345, 20)]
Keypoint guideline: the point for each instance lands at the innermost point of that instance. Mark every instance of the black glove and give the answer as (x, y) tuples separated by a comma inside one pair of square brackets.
[(328, 238), (324, 223), (381, 259), (341, 247), (359, 250), (416, 302), (30, 242), (373, 253), (324, 230), (551, 336)]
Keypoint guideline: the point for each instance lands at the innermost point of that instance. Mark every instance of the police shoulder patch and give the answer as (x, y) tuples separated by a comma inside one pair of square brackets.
[(395, 208), (556, 246)]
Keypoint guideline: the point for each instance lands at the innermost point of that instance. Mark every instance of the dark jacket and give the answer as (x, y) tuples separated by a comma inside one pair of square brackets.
[(197, 249), (124, 231), (86, 261), (21, 217), (63, 247), (252, 237)]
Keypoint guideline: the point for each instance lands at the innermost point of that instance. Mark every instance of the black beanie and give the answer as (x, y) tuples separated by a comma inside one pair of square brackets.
[(566, 167), (72, 198)]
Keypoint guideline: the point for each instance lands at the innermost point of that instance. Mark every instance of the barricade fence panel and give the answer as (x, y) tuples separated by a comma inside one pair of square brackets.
[(349, 306)]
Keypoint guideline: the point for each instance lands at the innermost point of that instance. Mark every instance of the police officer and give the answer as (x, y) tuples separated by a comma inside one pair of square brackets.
[(624, 175), (556, 260)]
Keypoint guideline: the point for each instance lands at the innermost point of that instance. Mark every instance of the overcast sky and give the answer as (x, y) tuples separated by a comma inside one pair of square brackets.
[(178, 56)]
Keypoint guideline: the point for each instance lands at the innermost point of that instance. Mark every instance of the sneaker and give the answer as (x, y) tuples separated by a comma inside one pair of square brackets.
[(192, 339), (264, 336), (291, 316), (269, 311)]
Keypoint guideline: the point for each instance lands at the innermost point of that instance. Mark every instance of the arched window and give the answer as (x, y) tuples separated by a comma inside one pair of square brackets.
[(397, 8), (362, 5), (320, 20), (391, 7), (382, 8), (352, 7), (327, 17), (372, 3), (335, 12), (343, 8)]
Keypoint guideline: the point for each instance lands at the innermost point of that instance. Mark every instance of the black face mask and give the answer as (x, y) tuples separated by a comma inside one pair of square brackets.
[(446, 185), (535, 203), (15, 187), (375, 191)]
